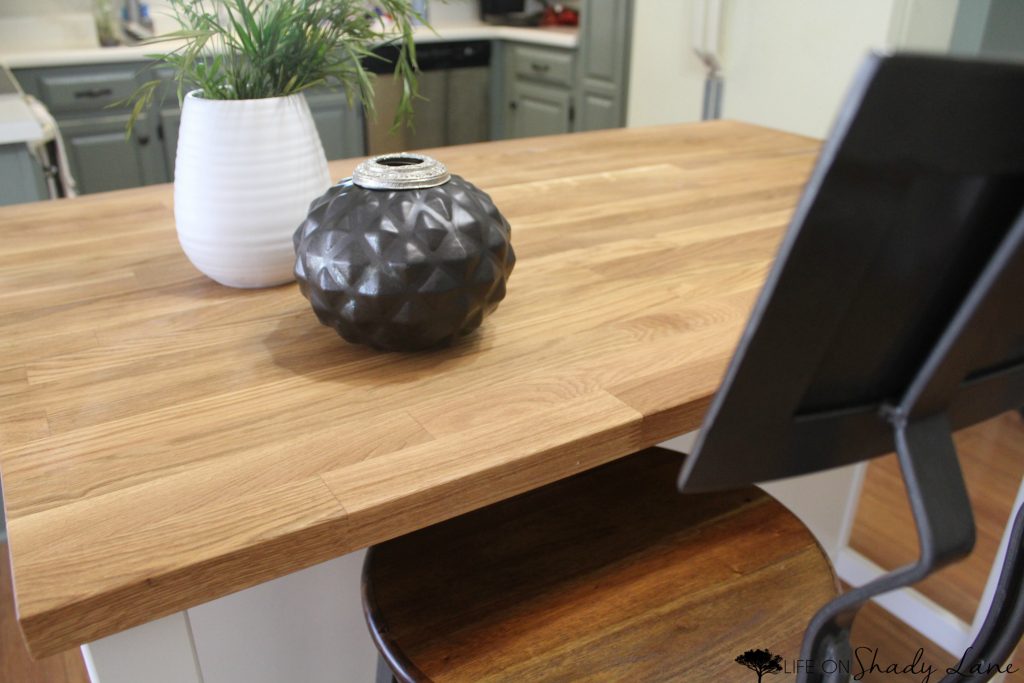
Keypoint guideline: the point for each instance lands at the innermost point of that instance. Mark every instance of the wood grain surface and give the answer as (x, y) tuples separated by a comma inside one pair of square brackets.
[(610, 575), (167, 440)]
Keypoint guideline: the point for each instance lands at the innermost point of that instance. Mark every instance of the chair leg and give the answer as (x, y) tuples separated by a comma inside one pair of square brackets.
[(945, 532), (384, 674)]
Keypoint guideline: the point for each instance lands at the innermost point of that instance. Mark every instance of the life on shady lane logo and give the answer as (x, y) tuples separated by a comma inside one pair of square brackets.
[(866, 661), (761, 662)]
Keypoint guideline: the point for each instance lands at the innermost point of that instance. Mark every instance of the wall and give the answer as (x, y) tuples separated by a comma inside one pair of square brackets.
[(20, 8), (786, 64), (453, 12), (47, 25)]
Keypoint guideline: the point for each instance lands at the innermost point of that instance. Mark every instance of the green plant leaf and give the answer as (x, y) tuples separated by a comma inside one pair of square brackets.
[(251, 49)]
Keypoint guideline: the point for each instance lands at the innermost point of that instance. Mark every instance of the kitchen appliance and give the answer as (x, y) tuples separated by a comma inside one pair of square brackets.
[(500, 11), (454, 83)]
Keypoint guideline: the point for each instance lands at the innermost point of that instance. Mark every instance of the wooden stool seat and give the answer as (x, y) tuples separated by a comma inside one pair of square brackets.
[(610, 575)]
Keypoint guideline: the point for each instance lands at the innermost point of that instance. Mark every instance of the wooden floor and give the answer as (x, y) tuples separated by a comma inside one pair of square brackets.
[(15, 664), (992, 459), (895, 643)]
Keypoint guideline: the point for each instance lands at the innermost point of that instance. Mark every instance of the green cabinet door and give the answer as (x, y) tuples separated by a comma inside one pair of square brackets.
[(538, 109), (103, 159), (170, 120), (598, 110), (21, 177), (86, 100), (340, 127), (603, 64)]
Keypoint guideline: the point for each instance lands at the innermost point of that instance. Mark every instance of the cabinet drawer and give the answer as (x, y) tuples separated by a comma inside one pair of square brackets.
[(552, 66), (78, 92)]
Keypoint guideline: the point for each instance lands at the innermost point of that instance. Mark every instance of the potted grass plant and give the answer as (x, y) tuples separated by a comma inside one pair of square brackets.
[(249, 158)]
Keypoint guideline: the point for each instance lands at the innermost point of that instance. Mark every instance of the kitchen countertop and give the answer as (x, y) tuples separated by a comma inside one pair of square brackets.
[(168, 441), (565, 37)]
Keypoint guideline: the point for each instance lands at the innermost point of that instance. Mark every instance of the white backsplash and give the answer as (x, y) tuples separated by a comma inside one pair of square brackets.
[(453, 12), (28, 8), (62, 31), (27, 25)]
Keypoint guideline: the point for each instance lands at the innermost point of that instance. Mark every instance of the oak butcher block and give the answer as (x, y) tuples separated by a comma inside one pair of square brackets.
[(167, 440)]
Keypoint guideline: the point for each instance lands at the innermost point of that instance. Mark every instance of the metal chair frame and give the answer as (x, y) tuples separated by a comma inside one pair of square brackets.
[(918, 195)]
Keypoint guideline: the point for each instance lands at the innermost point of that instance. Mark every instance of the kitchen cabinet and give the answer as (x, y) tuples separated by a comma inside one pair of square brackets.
[(340, 127), (538, 90), (539, 109), (21, 180), (603, 65), (85, 100), (170, 120), (549, 90), (103, 159)]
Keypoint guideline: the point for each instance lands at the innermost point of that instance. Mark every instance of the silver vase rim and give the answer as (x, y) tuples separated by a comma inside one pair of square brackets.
[(400, 171)]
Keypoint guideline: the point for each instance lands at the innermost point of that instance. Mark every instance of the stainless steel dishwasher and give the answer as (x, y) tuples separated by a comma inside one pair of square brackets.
[(455, 86)]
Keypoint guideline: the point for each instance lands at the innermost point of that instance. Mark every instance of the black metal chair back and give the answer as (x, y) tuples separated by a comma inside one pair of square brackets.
[(892, 316)]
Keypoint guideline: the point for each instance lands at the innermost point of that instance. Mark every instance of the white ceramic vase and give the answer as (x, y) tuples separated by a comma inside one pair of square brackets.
[(245, 174)]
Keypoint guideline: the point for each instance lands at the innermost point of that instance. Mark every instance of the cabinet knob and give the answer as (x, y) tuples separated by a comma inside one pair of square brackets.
[(513, 105), (143, 139), (540, 68)]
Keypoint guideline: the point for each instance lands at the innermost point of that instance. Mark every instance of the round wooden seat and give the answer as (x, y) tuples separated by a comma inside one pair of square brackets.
[(610, 575)]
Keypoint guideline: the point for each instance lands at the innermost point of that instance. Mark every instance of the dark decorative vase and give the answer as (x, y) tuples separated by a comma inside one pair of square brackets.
[(403, 255)]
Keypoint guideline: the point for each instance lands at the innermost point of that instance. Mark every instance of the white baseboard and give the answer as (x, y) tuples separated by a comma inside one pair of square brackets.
[(925, 616)]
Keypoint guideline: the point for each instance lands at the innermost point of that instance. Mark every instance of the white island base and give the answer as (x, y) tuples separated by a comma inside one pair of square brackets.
[(306, 627)]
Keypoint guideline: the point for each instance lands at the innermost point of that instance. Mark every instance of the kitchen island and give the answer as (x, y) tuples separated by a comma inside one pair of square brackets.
[(168, 441)]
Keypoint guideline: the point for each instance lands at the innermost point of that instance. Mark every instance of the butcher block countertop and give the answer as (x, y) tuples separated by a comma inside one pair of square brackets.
[(167, 440)]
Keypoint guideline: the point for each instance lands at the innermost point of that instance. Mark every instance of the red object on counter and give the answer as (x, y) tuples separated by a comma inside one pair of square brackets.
[(559, 15)]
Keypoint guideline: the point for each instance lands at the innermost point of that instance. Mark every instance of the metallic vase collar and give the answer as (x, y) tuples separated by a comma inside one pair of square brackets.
[(400, 172)]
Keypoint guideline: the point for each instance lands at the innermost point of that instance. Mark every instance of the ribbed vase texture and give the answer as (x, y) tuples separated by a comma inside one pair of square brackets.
[(245, 174)]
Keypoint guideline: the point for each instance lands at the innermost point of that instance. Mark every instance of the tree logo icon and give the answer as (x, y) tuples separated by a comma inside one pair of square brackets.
[(761, 662)]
